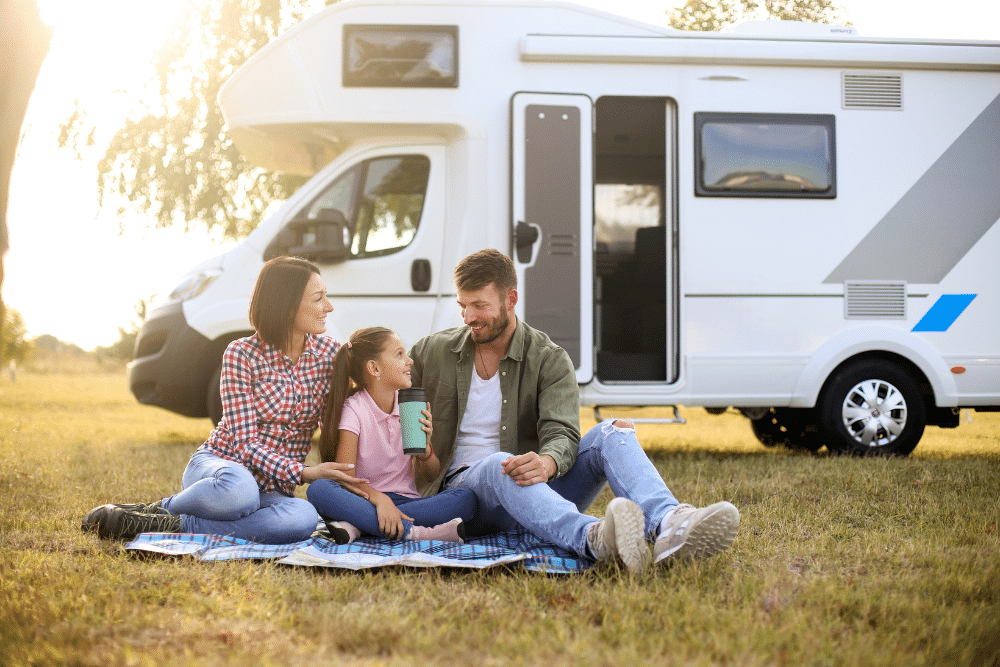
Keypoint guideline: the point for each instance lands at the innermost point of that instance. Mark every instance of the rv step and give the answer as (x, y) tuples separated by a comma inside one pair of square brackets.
[(676, 419)]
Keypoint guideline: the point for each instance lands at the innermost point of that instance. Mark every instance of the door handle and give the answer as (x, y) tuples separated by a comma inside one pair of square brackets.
[(420, 275), (525, 236)]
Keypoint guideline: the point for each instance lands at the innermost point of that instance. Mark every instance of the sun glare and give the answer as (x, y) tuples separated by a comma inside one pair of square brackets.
[(110, 41)]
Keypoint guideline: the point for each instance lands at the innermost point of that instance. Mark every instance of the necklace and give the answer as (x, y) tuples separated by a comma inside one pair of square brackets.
[(485, 374)]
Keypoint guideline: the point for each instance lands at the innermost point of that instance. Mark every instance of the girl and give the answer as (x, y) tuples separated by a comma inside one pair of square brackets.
[(368, 372), (241, 482)]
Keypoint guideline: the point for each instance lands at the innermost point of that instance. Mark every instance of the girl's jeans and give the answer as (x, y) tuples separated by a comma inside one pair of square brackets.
[(221, 497), (336, 503), (554, 511)]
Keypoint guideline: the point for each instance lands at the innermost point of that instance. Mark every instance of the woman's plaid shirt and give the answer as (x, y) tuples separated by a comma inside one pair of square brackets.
[(270, 408)]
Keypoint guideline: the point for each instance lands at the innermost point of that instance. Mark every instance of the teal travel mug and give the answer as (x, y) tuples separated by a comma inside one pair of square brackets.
[(412, 402)]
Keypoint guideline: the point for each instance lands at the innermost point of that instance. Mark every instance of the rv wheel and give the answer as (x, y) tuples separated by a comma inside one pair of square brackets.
[(788, 427), (872, 407), (213, 397)]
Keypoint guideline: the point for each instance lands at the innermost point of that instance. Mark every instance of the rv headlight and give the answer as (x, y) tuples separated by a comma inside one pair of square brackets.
[(401, 56), (194, 284)]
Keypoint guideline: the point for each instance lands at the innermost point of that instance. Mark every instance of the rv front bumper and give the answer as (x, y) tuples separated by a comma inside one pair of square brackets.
[(172, 365)]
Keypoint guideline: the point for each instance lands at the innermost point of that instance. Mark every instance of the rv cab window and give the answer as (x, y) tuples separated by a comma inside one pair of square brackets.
[(381, 199), (390, 205), (765, 155)]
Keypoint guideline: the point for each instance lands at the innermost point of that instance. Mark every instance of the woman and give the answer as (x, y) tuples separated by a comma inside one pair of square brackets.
[(241, 482)]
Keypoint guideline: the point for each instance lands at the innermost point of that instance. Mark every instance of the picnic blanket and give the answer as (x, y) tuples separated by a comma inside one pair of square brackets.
[(520, 548)]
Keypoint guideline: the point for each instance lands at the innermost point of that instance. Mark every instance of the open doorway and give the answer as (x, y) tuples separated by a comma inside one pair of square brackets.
[(633, 231)]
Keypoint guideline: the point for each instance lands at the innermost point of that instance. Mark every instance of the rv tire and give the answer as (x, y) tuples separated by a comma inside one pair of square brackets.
[(788, 427), (213, 397), (871, 407)]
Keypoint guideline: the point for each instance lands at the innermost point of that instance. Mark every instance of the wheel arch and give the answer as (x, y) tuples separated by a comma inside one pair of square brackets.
[(928, 368)]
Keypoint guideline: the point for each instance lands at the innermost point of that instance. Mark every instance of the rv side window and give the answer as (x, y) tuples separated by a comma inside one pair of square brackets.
[(765, 155)]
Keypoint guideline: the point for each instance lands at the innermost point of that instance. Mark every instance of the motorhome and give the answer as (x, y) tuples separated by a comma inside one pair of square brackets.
[(789, 219)]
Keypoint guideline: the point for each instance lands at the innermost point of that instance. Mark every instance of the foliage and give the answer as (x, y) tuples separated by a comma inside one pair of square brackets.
[(839, 561), (13, 337), (172, 159), (124, 348), (709, 15)]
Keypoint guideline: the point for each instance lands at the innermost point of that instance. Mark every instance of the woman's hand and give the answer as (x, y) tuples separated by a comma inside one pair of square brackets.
[(338, 472), (390, 519)]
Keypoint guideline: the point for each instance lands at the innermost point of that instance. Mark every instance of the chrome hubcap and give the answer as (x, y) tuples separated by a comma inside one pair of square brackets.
[(874, 413)]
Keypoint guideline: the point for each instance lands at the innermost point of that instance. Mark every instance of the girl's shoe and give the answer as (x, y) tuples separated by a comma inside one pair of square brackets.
[(341, 532), (453, 531)]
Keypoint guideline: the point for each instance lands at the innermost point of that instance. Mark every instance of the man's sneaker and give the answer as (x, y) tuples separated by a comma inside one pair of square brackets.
[(696, 533), (115, 522), (622, 534)]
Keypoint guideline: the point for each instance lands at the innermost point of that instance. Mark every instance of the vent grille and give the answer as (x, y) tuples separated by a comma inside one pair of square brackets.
[(873, 91), (875, 300), (563, 244)]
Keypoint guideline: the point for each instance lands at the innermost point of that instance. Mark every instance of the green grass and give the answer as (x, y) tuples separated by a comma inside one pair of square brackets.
[(838, 562)]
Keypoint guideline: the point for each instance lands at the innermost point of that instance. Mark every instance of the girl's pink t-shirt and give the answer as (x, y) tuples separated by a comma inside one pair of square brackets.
[(380, 445)]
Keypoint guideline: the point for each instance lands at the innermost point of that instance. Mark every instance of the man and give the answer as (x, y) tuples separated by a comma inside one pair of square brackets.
[(506, 410)]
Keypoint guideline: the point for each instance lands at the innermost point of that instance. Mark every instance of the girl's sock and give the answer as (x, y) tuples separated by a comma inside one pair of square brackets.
[(342, 532), (453, 531)]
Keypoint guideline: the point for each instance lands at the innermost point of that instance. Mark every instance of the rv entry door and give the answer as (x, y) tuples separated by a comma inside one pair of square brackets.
[(552, 226)]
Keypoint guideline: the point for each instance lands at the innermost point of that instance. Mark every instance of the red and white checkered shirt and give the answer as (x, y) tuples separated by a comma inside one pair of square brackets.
[(270, 408)]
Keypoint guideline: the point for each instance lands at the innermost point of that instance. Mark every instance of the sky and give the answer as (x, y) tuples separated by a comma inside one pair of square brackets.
[(77, 272)]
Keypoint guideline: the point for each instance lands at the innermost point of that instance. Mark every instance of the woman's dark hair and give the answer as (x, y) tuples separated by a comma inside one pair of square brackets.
[(483, 268), (277, 296), (348, 378)]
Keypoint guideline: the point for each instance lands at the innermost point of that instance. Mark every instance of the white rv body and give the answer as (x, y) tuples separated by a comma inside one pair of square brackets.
[(766, 289)]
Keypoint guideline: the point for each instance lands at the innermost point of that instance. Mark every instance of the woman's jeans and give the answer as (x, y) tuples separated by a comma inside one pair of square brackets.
[(554, 511), (335, 503), (221, 497)]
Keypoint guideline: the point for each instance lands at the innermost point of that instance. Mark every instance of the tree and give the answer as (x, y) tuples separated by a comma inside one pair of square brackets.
[(13, 337), (711, 15), (124, 348), (172, 159), (25, 43)]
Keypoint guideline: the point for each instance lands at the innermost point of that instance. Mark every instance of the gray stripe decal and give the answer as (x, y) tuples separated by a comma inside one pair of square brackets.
[(919, 240)]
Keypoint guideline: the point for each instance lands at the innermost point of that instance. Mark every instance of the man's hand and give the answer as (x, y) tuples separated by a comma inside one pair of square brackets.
[(530, 468)]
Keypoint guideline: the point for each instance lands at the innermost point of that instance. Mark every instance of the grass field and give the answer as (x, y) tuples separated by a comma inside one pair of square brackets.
[(838, 562)]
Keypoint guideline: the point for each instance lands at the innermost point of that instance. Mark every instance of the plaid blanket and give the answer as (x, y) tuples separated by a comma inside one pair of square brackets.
[(514, 547)]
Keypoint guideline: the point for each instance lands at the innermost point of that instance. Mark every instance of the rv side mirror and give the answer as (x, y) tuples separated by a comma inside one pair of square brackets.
[(279, 246), (325, 238)]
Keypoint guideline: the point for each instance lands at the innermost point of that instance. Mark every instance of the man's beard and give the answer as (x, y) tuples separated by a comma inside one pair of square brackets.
[(492, 330)]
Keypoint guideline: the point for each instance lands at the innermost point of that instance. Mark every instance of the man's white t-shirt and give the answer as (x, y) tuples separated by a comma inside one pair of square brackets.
[(479, 433)]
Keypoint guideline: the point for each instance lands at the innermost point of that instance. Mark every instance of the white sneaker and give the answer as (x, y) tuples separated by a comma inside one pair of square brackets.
[(697, 533), (622, 533)]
